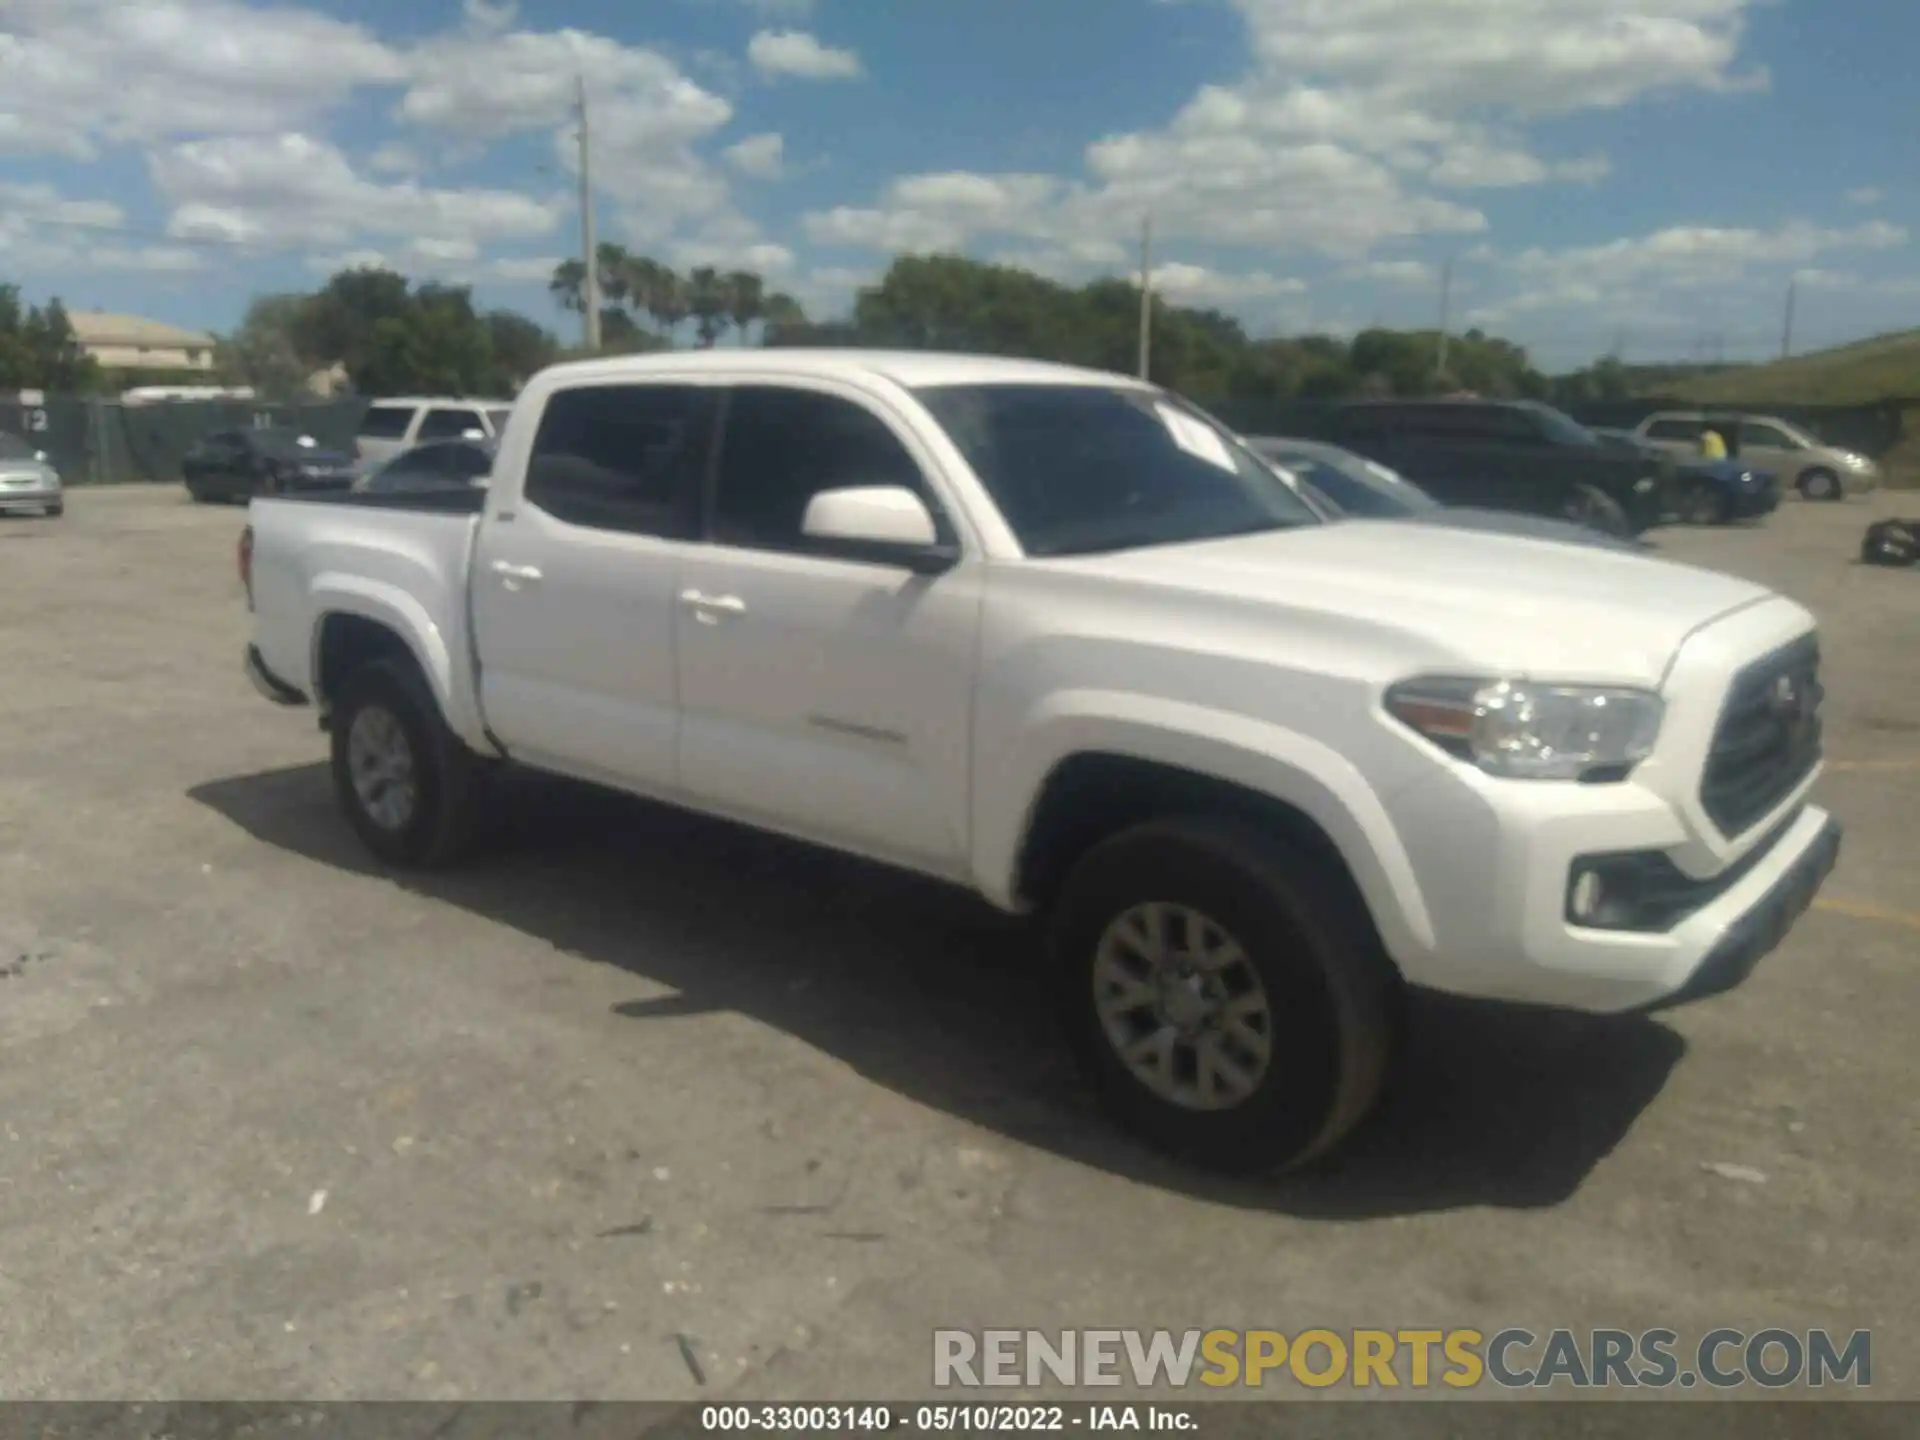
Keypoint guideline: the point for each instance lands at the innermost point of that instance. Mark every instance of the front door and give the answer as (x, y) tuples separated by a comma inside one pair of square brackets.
[(827, 697), (574, 583), (1768, 447)]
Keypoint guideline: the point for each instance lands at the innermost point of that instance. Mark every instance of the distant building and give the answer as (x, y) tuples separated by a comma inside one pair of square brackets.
[(126, 342)]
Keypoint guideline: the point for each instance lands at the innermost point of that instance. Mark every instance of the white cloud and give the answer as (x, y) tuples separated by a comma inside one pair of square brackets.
[(758, 156), (1865, 195), (79, 72), (1197, 285), (395, 159), (799, 54), (1639, 276), (291, 189), (43, 231)]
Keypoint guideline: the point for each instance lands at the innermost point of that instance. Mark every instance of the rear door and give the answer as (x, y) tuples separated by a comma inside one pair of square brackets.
[(825, 696), (1678, 435), (1768, 447), (574, 585)]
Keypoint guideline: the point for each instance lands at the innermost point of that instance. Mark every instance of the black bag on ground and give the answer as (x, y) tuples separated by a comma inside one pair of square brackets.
[(1891, 542)]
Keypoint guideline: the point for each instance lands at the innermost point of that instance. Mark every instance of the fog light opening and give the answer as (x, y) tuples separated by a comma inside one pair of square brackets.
[(1589, 893)]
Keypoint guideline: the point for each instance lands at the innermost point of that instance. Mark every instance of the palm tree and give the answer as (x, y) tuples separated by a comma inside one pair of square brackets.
[(568, 282), (707, 300), (746, 296), (664, 295)]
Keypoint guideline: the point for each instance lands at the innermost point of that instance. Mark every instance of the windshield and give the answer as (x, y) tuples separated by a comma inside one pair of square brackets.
[(1078, 469), (12, 447), (1361, 489), (1563, 429)]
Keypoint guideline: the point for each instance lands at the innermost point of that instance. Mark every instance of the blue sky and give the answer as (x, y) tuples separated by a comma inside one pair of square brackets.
[(1647, 173)]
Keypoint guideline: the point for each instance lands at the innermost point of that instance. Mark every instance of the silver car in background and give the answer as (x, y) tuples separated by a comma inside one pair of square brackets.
[(1819, 471), (28, 480)]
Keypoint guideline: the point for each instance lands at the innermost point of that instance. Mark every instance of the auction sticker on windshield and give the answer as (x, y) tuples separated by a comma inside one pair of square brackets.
[(1194, 438)]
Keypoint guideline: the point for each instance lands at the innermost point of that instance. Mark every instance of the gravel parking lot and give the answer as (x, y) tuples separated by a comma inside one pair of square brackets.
[(646, 1106)]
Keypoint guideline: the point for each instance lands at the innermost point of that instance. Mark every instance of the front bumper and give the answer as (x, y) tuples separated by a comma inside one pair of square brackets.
[(269, 684), (1749, 940), (1496, 860), (38, 498)]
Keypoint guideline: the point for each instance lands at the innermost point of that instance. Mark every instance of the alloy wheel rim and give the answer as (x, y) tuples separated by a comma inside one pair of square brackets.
[(1179, 1000), (380, 762)]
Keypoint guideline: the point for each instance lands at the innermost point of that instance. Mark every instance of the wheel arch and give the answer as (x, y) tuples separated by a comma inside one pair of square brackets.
[(1101, 776)]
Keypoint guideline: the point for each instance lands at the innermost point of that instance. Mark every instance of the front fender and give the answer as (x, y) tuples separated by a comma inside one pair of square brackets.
[(1256, 755)]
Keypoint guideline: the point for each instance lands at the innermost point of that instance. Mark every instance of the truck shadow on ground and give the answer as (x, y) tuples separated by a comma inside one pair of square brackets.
[(926, 991)]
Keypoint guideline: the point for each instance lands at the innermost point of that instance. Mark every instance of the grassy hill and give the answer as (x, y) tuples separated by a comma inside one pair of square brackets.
[(1867, 370)]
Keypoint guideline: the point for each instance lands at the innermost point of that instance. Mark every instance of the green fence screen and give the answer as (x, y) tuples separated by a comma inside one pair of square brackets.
[(95, 441)]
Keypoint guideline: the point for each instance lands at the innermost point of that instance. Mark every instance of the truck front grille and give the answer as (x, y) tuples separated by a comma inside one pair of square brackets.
[(1768, 740)]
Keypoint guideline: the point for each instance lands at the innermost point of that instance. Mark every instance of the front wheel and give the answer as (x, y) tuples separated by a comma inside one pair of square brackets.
[(56, 509), (1597, 510), (409, 787), (1820, 485), (1706, 504), (1225, 991)]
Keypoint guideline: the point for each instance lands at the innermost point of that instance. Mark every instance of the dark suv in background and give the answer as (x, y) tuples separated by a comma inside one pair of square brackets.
[(1514, 455)]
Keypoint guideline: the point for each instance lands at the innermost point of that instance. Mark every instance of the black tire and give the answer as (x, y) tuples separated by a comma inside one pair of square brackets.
[(1820, 484), (1333, 996), (442, 825), (1597, 510), (196, 494), (56, 510), (1705, 503)]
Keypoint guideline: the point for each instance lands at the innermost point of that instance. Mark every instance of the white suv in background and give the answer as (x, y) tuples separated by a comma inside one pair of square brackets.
[(1819, 471), (393, 425)]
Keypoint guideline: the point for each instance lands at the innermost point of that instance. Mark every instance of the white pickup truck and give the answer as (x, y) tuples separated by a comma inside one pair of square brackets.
[(1056, 636)]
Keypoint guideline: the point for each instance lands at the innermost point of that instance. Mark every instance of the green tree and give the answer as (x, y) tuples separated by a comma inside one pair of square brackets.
[(38, 349), (520, 349), (264, 351), (746, 296)]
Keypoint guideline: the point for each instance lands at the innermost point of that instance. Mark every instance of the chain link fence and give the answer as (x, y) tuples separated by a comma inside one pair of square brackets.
[(95, 441)]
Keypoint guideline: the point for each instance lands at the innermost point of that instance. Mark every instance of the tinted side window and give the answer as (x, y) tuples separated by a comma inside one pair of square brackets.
[(783, 447), (1675, 430), (1765, 436), (623, 457), (386, 422), (449, 424)]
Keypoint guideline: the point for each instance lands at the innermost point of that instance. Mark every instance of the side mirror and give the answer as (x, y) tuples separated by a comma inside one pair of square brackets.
[(888, 524)]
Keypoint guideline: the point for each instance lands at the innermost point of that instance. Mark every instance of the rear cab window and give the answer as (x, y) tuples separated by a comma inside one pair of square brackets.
[(446, 423), (628, 458), (386, 422)]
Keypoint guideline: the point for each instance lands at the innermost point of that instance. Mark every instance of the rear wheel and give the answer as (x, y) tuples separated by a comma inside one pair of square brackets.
[(1597, 510), (1705, 504), (1820, 484), (1225, 991), (409, 787)]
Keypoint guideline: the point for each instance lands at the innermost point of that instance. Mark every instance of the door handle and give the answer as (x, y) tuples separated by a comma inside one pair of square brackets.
[(709, 608), (507, 570)]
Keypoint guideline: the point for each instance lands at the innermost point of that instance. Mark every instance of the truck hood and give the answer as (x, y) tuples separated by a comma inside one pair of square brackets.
[(1489, 603)]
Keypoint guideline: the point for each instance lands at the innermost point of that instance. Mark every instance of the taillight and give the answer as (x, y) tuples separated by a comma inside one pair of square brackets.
[(246, 562)]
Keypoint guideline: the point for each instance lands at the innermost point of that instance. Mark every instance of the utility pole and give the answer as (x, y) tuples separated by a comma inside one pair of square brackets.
[(1786, 328), (1446, 305), (589, 248), (1146, 294)]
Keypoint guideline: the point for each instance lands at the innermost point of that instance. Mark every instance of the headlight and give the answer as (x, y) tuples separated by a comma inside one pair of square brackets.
[(1525, 730)]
